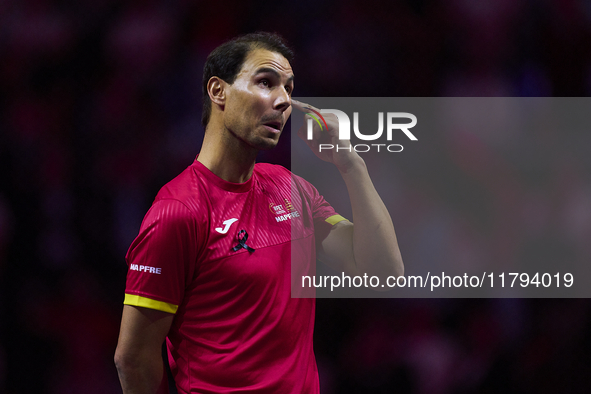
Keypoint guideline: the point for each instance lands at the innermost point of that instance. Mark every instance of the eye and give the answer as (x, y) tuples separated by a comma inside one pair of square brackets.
[(265, 82), (288, 89)]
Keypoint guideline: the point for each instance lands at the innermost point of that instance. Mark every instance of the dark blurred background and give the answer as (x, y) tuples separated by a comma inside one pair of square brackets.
[(100, 106)]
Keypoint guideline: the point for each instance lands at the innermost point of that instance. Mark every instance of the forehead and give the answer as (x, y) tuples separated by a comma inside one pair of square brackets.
[(263, 58)]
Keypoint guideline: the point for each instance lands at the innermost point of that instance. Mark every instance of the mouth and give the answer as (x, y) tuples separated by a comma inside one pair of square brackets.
[(274, 126)]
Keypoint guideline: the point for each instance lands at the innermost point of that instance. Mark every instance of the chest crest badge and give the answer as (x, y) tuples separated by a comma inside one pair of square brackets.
[(284, 211)]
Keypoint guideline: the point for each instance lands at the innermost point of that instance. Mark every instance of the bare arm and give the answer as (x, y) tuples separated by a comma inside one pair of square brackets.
[(370, 246), (139, 351)]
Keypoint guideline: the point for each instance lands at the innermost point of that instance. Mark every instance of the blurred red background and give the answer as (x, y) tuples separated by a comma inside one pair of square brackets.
[(100, 106)]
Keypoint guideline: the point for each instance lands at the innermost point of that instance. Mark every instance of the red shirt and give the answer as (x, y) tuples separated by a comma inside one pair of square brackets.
[(236, 327)]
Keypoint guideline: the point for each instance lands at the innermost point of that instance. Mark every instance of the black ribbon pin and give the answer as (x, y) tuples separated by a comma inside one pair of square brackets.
[(242, 242)]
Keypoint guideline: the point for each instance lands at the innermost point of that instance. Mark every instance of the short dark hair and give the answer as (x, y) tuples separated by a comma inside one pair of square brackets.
[(226, 60)]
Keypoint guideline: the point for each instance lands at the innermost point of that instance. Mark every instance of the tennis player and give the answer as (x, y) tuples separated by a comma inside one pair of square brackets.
[(209, 273)]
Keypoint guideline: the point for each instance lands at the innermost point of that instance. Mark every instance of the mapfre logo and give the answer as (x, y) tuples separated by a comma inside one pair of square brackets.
[(345, 129), (284, 211)]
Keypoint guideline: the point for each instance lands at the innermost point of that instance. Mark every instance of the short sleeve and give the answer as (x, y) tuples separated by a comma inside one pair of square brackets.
[(163, 258), (324, 215)]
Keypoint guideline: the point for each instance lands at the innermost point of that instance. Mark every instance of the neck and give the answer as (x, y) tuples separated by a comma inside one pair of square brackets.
[(227, 156)]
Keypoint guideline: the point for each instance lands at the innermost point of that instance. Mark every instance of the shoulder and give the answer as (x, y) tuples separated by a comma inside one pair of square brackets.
[(186, 190), (273, 174), (280, 175), (277, 172)]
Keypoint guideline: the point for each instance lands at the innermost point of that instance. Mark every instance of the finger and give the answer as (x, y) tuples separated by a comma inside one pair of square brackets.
[(298, 105), (303, 106), (313, 112)]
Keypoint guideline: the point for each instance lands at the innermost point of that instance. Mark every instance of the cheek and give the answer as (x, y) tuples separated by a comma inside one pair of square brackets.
[(248, 104), (247, 99), (255, 105)]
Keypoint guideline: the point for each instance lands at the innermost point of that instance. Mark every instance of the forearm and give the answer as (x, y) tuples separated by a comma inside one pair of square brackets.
[(369, 246), (139, 351), (139, 375), (375, 246)]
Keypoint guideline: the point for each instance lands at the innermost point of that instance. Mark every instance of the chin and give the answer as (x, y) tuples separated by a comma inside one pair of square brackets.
[(264, 144), (267, 146)]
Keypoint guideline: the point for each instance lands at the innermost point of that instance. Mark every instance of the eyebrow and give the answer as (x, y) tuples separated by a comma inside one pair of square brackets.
[(272, 71)]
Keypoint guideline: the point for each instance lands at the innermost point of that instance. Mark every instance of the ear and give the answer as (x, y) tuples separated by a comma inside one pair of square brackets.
[(216, 88)]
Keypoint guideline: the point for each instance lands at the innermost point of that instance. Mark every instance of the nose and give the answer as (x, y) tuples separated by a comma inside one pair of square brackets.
[(282, 101)]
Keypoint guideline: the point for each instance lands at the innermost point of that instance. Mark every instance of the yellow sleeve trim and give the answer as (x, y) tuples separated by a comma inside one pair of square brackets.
[(334, 219), (136, 300)]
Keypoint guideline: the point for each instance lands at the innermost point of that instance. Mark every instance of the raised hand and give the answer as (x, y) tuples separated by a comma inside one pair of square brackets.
[(325, 142)]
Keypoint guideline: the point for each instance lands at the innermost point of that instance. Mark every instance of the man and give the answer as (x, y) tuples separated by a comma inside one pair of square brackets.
[(209, 272)]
